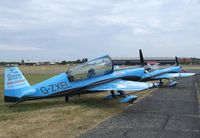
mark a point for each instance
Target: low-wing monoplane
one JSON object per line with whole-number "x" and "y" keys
{"x": 93, "y": 76}
{"x": 97, "y": 75}
{"x": 169, "y": 73}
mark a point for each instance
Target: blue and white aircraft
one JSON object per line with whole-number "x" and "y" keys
{"x": 93, "y": 76}
{"x": 169, "y": 73}
{"x": 97, "y": 75}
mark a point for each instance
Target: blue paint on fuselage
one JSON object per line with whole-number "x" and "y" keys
{"x": 149, "y": 75}
{"x": 61, "y": 83}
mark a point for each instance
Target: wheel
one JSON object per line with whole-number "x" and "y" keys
{"x": 131, "y": 101}
{"x": 66, "y": 99}
{"x": 112, "y": 93}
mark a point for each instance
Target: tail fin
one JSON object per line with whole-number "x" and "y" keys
{"x": 141, "y": 58}
{"x": 14, "y": 83}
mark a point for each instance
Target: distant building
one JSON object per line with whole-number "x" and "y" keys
{"x": 195, "y": 61}
{"x": 136, "y": 60}
{"x": 183, "y": 60}
{"x": 36, "y": 63}
{"x": 52, "y": 63}
{"x": 152, "y": 63}
{"x": 30, "y": 63}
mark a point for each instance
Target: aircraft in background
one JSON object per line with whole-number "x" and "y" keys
{"x": 169, "y": 73}
{"x": 93, "y": 76}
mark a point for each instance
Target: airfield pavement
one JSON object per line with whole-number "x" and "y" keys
{"x": 165, "y": 112}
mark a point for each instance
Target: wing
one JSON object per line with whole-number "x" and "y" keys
{"x": 174, "y": 75}
{"x": 122, "y": 85}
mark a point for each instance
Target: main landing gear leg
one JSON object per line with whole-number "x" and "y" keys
{"x": 66, "y": 99}
{"x": 111, "y": 96}
{"x": 119, "y": 92}
{"x": 112, "y": 93}
{"x": 122, "y": 93}
{"x": 161, "y": 81}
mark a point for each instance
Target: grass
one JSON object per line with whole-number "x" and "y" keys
{"x": 40, "y": 69}
{"x": 191, "y": 66}
{"x": 53, "y": 117}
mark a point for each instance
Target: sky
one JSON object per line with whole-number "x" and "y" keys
{"x": 56, "y": 30}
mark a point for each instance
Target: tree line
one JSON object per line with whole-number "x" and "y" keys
{"x": 64, "y": 62}
{"x": 78, "y": 61}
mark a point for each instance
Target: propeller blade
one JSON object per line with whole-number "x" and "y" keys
{"x": 141, "y": 58}
{"x": 176, "y": 59}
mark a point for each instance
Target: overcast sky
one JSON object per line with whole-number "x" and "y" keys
{"x": 71, "y": 29}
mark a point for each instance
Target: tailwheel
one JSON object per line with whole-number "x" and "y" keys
{"x": 66, "y": 99}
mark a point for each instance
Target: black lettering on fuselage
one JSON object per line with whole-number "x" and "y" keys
{"x": 58, "y": 87}
{"x": 64, "y": 85}
{"x": 52, "y": 88}
{"x": 44, "y": 90}
{"x": 55, "y": 87}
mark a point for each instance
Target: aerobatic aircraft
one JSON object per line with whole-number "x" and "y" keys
{"x": 97, "y": 75}
{"x": 93, "y": 76}
{"x": 169, "y": 73}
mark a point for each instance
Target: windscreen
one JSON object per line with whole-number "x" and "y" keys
{"x": 90, "y": 69}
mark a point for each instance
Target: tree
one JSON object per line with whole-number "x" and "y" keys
{"x": 78, "y": 61}
{"x": 63, "y": 62}
{"x": 22, "y": 62}
{"x": 84, "y": 60}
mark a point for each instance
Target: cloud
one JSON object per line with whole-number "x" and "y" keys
{"x": 60, "y": 29}
{"x": 19, "y": 48}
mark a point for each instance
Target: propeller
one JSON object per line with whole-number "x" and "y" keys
{"x": 177, "y": 64}
{"x": 176, "y": 60}
{"x": 141, "y": 58}
{"x": 142, "y": 61}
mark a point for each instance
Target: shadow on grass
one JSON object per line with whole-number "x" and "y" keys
{"x": 83, "y": 101}
{"x": 96, "y": 102}
{"x": 31, "y": 105}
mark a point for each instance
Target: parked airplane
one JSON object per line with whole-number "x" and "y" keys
{"x": 170, "y": 73}
{"x": 97, "y": 75}
{"x": 93, "y": 76}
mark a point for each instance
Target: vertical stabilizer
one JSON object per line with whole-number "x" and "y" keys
{"x": 14, "y": 83}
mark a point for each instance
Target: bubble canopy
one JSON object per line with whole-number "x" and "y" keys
{"x": 90, "y": 69}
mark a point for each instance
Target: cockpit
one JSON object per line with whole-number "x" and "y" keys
{"x": 90, "y": 69}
